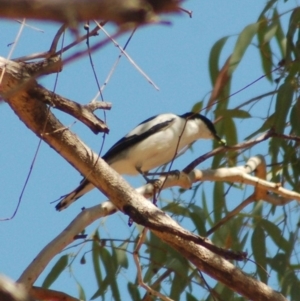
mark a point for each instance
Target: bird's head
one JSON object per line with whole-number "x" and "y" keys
{"x": 206, "y": 129}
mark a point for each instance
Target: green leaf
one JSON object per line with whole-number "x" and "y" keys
{"x": 176, "y": 208}
{"x": 218, "y": 200}
{"x": 295, "y": 120}
{"x": 214, "y": 58}
{"x": 206, "y": 213}
{"x": 230, "y": 133}
{"x": 258, "y": 243}
{"x": 293, "y": 26}
{"x": 102, "y": 289}
{"x": 295, "y": 288}
{"x": 60, "y": 265}
{"x": 290, "y": 162}
{"x": 121, "y": 256}
{"x": 81, "y": 293}
{"x": 158, "y": 256}
{"x": 270, "y": 32}
{"x": 268, "y": 6}
{"x": 283, "y": 104}
{"x": 280, "y": 37}
{"x": 279, "y": 263}
{"x": 265, "y": 49}
{"x": 244, "y": 240}
{"x": 111, "y": 270}
{"x": 233, "y": 113}
{"x": 176, "y": 264}
{"x": 242, "y": 44}
{"x": 95, "y": 257}
{"x": 274, "y": 147}
{"x": 276, "y": 235}
{"x": 133, "y": 291}
{"x": 265, "y": 127}
{"x": 190, "y": 297}
{"x": 197, "y": 107}
{"x": 179, "y": 283}
{"x": 198, "y": 217}
{"x": 100, "y": 253}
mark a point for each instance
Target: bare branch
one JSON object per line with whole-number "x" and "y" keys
{"x": 73, "y": 11}
{"x": 66, "y": 237}
{"x": 238, "y": 174}
{"x": 84, "y": 113}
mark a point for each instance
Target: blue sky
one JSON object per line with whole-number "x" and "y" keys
{"x": 176, "y": 59}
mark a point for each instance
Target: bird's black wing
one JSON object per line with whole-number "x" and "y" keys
{"x": 129, "y": 141}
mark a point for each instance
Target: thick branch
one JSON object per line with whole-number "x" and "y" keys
{"x": 72, "y": 11}
{"x": 233, "y": 277}
{"x": 238, "y": 174}
{"x": 84, "y": 113}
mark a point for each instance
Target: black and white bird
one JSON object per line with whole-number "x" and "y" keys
{"x": 153, "y": 143}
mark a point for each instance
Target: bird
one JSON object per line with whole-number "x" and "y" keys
{"x": 153, "y": 143}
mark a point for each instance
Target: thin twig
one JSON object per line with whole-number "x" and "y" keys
{"x": 223, "y": 149}
{"x": 112, "y": 70}
{"x": 112, "y": 38}
{"x": 231, "y": 214}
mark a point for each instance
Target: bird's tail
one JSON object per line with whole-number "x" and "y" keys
{"x": 66, "y": 200}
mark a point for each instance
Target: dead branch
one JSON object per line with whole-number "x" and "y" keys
{"x": 84, "y": 113}
{"x": 74, "y": 11}
{"x": 66, "y": 237}
{"x": 44, "y": 67}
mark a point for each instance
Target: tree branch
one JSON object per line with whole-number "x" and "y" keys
{"x": 73, "y": 11}
{"x": 84, "y": 113}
